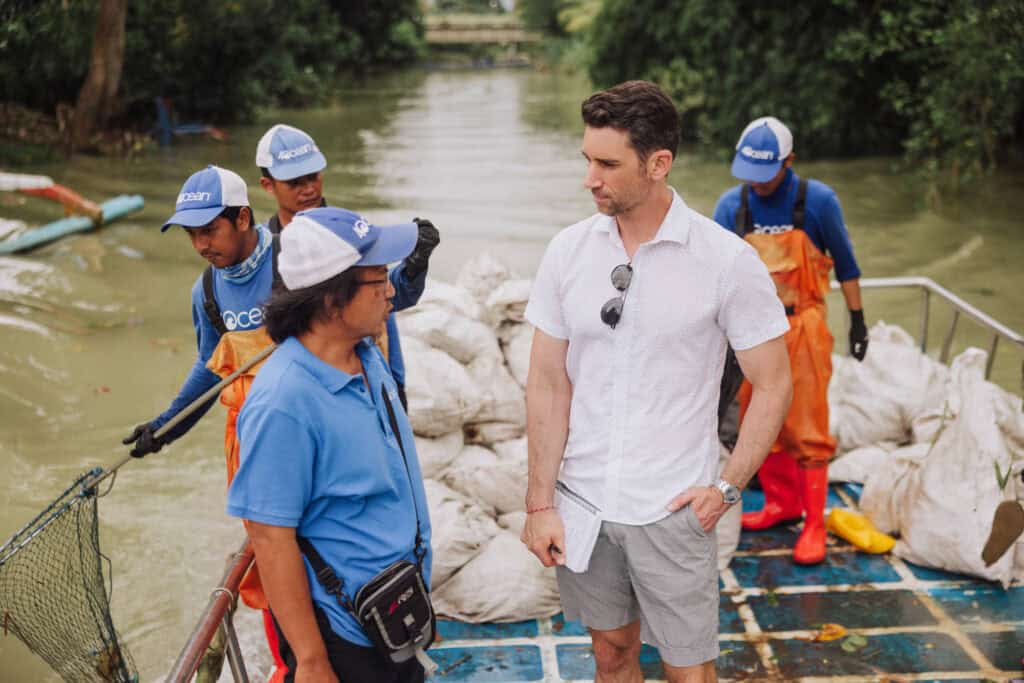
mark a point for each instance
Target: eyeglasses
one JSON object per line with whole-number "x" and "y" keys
{"x": 611, "y": 312}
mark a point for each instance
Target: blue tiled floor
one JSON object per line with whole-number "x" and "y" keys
{"x": 901, "y": 620}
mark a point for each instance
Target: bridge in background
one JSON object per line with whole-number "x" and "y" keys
{"x": 476, "y": 29}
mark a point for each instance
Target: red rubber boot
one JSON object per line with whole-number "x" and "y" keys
{"x": 780, "y": 483}
{"x": 810, "y": 547}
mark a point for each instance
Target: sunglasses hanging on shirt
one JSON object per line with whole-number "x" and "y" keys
{"x": 611, "y": 312}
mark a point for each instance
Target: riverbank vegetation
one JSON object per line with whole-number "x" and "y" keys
{"x": 940, "y": 82}
{"x": 215, "y": 61}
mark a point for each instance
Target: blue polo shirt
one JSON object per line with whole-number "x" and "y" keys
{"x": 823, "y": 223}
{"x": 318, "y": 455}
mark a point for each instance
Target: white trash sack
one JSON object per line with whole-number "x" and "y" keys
{"x": 876, "y": 400}
{"x": 498, "y": 486}
{"x": 501, "y": 397}
{"x": 942, "y": 503}
{"x": 438, "y": 294}
{"x": 516, "y": 346}
{"x": 436, "y": 454}
{"x": 504, "y": 582}
{"x": 507, "y": 303}
{"x": 459, "y": 530}
{"x": 442, "y": 397}
{"x": 464, "y": 339}
{"x": 482, "y": 275}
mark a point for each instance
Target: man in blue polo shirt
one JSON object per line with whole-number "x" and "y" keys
{"x": 797, "y": 227}
{"x": 291, "y": 169}
{"x": 320, "y": 460}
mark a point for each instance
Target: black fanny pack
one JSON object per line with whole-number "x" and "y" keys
{"x": 393, "y": 608}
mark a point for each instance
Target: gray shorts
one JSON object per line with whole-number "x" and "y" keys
{"x": 665, "y": 574}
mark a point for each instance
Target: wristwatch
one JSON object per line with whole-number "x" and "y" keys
{"x": 730, "y": 494}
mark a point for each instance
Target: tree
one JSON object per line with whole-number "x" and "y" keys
{"x": 98, "y": 96}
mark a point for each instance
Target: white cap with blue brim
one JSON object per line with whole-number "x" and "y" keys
{"x": 326, "y": 241}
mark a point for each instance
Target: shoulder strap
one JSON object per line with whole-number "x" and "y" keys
{"x": 420, "y": 551}
{"x": 210, "y": 303}
{"x": 332, "y": 583}
{"x": 800, "y": 205}
{"x": 744, "y": 220}
{"x": 274, "y": 224}
{"x": 275, "y": 252}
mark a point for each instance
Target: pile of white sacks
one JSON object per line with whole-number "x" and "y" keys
{"x": 937, "y": 449}
{"x": 926, "y": 441}
{"x": 467, "y": 352}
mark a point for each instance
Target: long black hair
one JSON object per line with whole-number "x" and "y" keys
{"x": 289, "y": 313}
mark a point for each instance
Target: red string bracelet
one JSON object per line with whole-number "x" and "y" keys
{"x": 530, "y": 511}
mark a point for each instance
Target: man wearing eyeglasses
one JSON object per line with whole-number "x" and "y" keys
{"x": 634, "y": 308}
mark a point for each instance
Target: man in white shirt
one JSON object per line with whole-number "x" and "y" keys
{"x": 622, "y": 394}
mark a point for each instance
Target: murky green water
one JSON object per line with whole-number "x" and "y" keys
{"x": 96, "y": 332}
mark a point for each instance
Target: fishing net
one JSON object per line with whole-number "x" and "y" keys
{"x": 53, "y": 593}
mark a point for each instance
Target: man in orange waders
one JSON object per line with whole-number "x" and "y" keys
{"x": 797, "y": 227}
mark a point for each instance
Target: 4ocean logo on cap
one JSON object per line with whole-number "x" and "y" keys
{"x": 361, "y": 228}
{"x": 194, "y": 197}
{"x": 759, "y": 154}
{"x": 286, "y": 154}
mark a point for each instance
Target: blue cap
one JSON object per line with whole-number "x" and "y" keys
{"x": 205, "y": 195}
{"x": 763, "y": 147}
{"x": 288, "y": 153}
{"x": 326, "y": 241}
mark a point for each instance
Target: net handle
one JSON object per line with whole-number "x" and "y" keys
{"x": 192, "y": 407}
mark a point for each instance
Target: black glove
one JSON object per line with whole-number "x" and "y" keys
{"x": 429, "y": 238}
{"x": 145, "y": 442}
{"x": 858, "y": 335}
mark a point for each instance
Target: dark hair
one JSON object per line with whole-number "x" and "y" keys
{"x": 292, "y": 312}
{"x": 640, "y": 108}
{"x": 232, "y": 213}
{"x": 265, "y": 173}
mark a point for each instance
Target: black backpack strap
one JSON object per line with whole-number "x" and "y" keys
{"x": 332, "y": 583}
{"x": 274, "y": 225}
{"x": 800, "y": 205}
{"x": 744, "y": 220}
{"x": 275, "y": 252}
{"x": 210, "y": 303}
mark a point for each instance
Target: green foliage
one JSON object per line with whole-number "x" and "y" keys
{"x": 940, "y": 80}
{"x": 217, "y": 61}
{"x": 558, "y": 18}
{"x": 542, "y": 15}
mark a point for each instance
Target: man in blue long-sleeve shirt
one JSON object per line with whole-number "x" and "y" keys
{"x": 291, "y": 166}
{"x": 797, "y": 227}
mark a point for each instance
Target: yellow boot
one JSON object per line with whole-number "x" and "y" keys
{"x": 858, "y": 530}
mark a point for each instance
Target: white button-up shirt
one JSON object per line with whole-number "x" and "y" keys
{"x": 643, "y": 423}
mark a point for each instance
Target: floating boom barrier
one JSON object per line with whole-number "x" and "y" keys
{"x": 81, "y": 213}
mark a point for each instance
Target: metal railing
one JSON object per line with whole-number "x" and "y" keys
{"x": 217, "y": 617}
{"x": 929, "y": 287}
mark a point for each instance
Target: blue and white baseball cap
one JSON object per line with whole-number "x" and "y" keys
{"x": 205, "y": 195}
{"x": 288, "y": 153}
{"x": 763, "y": 146}
{"x": 326, "y": 241}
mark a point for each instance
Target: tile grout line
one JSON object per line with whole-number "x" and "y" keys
{"x": 751, "y": 627}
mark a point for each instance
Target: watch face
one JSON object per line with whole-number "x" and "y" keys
{"x": 730, "y": 494}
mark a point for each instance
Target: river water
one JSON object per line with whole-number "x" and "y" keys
{"x": 96, "y": 332}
